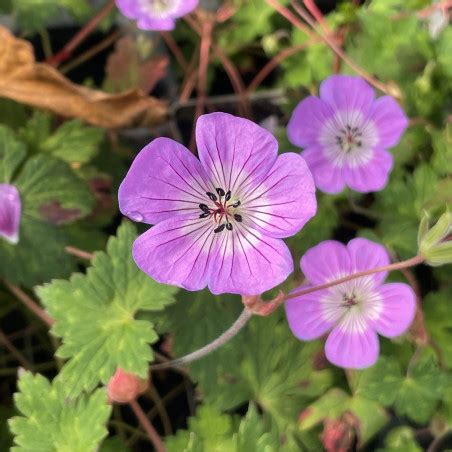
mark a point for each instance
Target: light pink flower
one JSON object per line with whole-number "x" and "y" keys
{"x": 352, "y": 312}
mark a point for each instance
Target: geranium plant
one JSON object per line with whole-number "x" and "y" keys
{"x": 225, "y": 225}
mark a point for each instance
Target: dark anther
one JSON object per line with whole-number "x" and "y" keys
{"x": 220, "y": 191}
{"x": 238, "y": 217}
{"x": 229, "y": 226}
{"x": 219, "y": 228}
{"x": 236, "y": 204}
{"x": 211, "y": 196}
{"x": 359, "y": 144}
{"x": 204, "y": 215}
{"x": 228, "y": 195}
{"x": 204, "y": 208}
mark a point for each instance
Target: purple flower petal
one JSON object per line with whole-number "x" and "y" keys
{"x": 372, "y": 176}
{"x": 366, "y": 255}
{"x": 235, "y": 152}
{"x": 10, "y": 213}
{"x": 325, "y": 262}
{"x": 398, "y": 303}
{"x": 345, "y": 134}
{"x": 307, "y": 121}
{"x": 328, "y": 178}
{"x": 155, "y": 14}
{"x": 390, "y": 121}
{"x": 165, "y": 179}
{"x": 149, "y": 23}
{"x": 177, "y": 251}
{"x": 249, "y": 263}
{"x": 274, "y": 205}
{"x": 307, "y": 315}
{"x": 347, "y": 93}
{"x": 352, "y": 345}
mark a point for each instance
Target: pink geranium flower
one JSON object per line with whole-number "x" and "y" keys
{"x": 10, "y": 213}
{"x": 346, "y": 134}
{"x": 156, "y": 14}
{"x": 218, "y": 220}
{"x": 352, "y": 312}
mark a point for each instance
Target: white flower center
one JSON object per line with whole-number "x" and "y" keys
{"x": 160, "y": 8}
{"x": 352, "y": 304}
{"x": 348, "y": 138}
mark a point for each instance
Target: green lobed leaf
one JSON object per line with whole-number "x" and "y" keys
{"x": 73, "y": 142}
{"x": 51, "y": 194}
{"x": 51, "y": 422}
{"x": 212, "y": 431}
{"x": 95, "y": 315}
{"x": 415, "y": 394}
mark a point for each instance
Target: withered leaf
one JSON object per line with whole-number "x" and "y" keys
{"x": 126, "y": 69}
{"x": 41, "y": 85}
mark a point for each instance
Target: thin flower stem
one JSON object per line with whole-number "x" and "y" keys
{"x": 275, "y": 61}
{"x": 175, "y": 49}
{"x": 317, "y": 14}
{"x": 209, "y": 348}
{"x": 90, "y": 53}
{"x": 14, "y": 351}
{"x": 78, "y": 252}
{"x": 385, "y": 268}
{"x": 336, "y": 49}
{"x": 66, "y": 52}
{"x": 29, "y": 303}
{"x": 163, "y": 414}
{"x": 147, "y": 426}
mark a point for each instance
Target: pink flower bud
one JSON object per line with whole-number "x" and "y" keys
{"x": 124, "y": 387}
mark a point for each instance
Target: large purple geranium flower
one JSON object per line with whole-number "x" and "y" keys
{"x": 355, "y": 311}
{"x": 10, "y": 212}
{"x": 346, "y": 134}
{"x": 218, "y": 220}
{"x": 156, "y": 14}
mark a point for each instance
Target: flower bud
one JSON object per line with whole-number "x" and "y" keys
{"x": 124, "y": 387}
{"x": 433, "y": 243}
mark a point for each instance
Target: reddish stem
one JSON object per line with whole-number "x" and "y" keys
{"x": 385, "y": 268}
{"x": 290, "y": 17}
{"x": 204, "y": 51}
{"x": 147, "y": 426}
{"x": 318, "y": 16}
{"x": 66, "y": 52}
{"x": 336, "y": 49}
{"x": 29, "y": 303}
{"x": 78, "y": 252}
{"x": 175, "y": 49}
{"x": 274, "y": 62}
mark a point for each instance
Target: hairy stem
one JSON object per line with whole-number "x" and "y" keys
{"x": 147, "y": 426}
{"x": 209, "y": 348}
{"x": 385, "y": 268}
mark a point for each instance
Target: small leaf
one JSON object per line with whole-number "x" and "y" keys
{"x": 95, "y": 315}
{"x": 12, "y": 153}
{"x": 51, "y": 422}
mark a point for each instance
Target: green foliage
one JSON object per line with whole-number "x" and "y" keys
{"x": 51, "y": 194}
{"x": 401, "y": 438}
{"x": 212, "y": 431}
{"x": 71, "y": 142}
{"x": 95, "y": 315}
{"x": 51, "y": 422}
{"x": 415, "y": 394}
{"x": 34, "y": 15}
{"x": 370, "y": 415}
{"x": 274, "y": 370}
{"x": 438, "y": 317}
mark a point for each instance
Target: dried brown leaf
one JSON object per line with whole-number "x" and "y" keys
{"x": 41, "y": 85}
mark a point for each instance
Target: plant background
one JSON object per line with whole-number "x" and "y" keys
{"x": 264, "y": 390}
